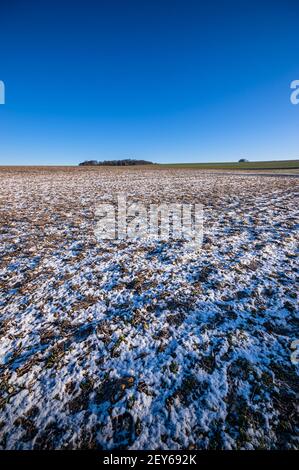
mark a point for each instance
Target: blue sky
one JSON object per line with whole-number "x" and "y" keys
{"x": 167, "y": 80}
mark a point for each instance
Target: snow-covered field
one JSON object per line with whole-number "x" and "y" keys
{"x": 144, "y": 345}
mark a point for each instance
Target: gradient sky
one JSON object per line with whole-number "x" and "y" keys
{"x": 164, "y": 80}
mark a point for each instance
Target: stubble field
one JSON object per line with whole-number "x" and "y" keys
{"x": 143, "y": 344}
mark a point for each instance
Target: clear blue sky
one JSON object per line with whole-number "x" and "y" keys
{"x": 164, "y": 80}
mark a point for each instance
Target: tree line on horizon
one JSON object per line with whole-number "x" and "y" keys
{"x": 124, "y": 162}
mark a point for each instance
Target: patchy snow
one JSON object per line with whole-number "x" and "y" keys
{"x": 144, "y": 345}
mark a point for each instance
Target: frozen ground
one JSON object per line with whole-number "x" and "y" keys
{"x": 144, "y": 345}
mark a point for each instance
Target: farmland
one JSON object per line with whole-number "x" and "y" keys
{"x": 285, "y": 165}
{"x": 143, "y": 344}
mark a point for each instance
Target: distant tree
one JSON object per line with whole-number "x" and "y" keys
{"x": 88, "y": 163}
{"x": 124, "y": 162}
{"x": 243, "y": 160}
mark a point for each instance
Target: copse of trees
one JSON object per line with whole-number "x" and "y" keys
{"x": 125, "y": 162}
{"x": 88, "y": 163}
